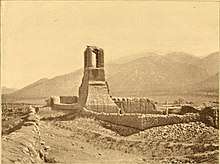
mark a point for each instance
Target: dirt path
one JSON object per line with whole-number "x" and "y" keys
{"x": 66, "y": 149}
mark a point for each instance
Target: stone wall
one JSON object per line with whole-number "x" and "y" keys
{"x": 143, "y": 121}
{"x": 135, "y": 105}
{"x": 23, "y": 145}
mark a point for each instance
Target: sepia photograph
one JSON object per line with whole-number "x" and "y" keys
{"x": 113, "y": 82}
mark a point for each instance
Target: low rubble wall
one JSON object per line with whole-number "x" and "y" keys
{"x": 65, "y": 107}
{"x": 23, "y": 145}
{"x": 143, "y": 121}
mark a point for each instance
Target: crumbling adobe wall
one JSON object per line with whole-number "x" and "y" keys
{"x": 65, "y": 107}
{"x": 143, "y": 121}
{"x": 55, "y": 99}
{"x": 68, "y": 99}
{"x": 210, "y": 116}
{"x": 64, "y": 99}
{"x": 135, "y": 105}
{"x": 23, "y": 145}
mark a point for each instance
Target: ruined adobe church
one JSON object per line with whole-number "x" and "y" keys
{"x": 94, "y": 91}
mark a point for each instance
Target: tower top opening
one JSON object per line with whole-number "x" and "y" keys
{"x": 91, "y": 61}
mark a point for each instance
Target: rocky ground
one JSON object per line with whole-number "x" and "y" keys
{"x": 73, "y": 138}
{"x": 86, "y": 140}
{"x": 62, "y": 146}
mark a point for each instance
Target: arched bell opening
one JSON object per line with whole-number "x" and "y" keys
{"x": 94, "y": 58}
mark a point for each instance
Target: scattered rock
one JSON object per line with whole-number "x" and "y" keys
{"x": 29, "y": 123}
{"x": 49, "y": 159}
{"x": 41, "y": 153}
{"x": 42, "y": 142}
{"x": 47, "y": 148}
{"x": 5, "y": 139}
{"x": 33, "y": 117}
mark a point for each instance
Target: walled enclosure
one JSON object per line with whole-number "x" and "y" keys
{"x": 94, "y": 91}
{"x": 143, "y": 121}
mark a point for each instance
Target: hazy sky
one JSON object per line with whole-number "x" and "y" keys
{"x": 46, "y": 39}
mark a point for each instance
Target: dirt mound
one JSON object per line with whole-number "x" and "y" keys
{"x": 23, "y": 145}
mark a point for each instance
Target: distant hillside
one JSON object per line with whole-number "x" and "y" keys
{"x": 211, "y": 62}
{"x": 211, "y": 84}
{"x": 6, "y": 90}
{"x": 140, "y": 76}
{"x": 182, "y": 57}
{"x": 60, "y": 85}
{"x": 154, "y": 73}
{"x": 127, "y": 59}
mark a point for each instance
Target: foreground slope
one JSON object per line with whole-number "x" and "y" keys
{"x": 87, "y": 140}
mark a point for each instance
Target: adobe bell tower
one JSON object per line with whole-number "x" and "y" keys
{"x": 94, "y": 91}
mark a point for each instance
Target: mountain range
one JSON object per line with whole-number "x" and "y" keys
{"x": 6, "y": 90}
{"x": 141, "y": 75}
